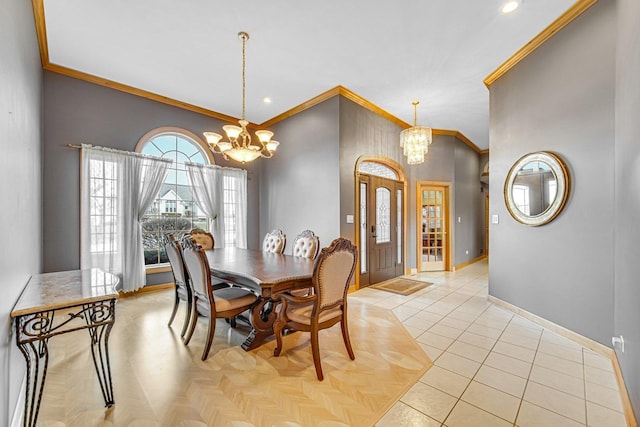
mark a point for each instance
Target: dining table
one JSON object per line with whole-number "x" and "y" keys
{"x": 268, "y": 275}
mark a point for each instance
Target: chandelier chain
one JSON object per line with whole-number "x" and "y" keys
{"x": 244, "y": 79}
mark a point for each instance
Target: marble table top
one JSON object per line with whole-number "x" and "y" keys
{"x": 50, "y": 291}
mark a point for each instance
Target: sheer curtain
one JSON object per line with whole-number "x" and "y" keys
{"x": 222, "y": 195}
{"x": 117, "y": 189}
{"x": 235, "y": 200}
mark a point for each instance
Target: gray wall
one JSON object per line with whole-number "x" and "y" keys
{"x": 20, "y": 180}
{"x": 561, "y": 99}
{"x": 627, "y": 195}
{"x": 300, "y": 185}
{"x": 364, "y": 133}
{"x": 469, "y": 202}
{"x": 80, "y": 112}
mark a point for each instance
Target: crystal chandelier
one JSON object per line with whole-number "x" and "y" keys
{"x": 415, "y": 141}
{"x": 239, "y": 146}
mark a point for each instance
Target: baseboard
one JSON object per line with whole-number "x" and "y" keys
{"x": 624, "y": 396}
{"x": 465, "y": 264}
{"x": 584, "y": 342}
{"x": 146, "y": 289}
{"x": 567, "y": 333}
{"x": 18, "y": 411}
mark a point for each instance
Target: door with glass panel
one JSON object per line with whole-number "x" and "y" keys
{"x": 433, "y": 227}
{"x": 381, "y": 229}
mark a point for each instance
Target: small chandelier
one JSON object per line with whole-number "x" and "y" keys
{"x": 415, "y": 141}
{"x": 239, "y": 146}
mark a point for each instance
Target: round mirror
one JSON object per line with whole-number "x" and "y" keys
{"x": 536, "y": 188}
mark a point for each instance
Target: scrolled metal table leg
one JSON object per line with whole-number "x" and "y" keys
{"x": 102, "y": 314}
{"x": 36, "y": 354}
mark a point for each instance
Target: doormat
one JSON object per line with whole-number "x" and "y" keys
{"x": 401, "y": 286}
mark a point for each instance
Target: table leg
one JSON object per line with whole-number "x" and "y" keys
{"x": 36, "y": 354}
{"x": 97, "y": 314}
{"x": 263, "y": 315}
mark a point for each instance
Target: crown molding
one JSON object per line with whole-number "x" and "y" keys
{"x": 41, "y": 29}
{"x": 352, "y": 96}
{"x": 137, "y": 92}
{"x": 564, "y": 20}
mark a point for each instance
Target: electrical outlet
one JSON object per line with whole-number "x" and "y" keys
{"x": 495, "y": 219}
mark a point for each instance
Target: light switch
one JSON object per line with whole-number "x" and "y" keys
{"x": 459, "y": 219}
{"x": 494, "y": 219}
{"x": 349, "y": 219}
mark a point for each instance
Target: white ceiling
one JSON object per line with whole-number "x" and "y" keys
{"x": 388, "y": 52}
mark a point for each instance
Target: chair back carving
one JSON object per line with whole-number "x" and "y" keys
{"x": 274, "y": 242}
{"x": 306, "y": 244}
{"x": 332, "y": 273}
{"x": 197, "y": 266}
{"x": 203, "y": 238}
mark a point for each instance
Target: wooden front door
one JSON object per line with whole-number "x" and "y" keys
{"x": 433, "y": 228}
{"x": 381, "y": 229}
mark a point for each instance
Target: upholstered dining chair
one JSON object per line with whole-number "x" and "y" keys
{"x": 327, "y": 305}
{"x": 227, "y": 302}
{"x": 274, "y": 241}
{"x": 182, "y": 289}
{"x": 206, "y": 240}
{"x": 305, "y": 245}
{"x": 203, "y": 238}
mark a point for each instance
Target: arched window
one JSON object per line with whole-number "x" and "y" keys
{"x": 174, "y": 210}
{"x": 377, "y": 169}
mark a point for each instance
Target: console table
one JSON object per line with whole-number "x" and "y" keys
{"x": 83, "y": 299}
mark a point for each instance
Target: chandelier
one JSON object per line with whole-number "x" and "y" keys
{"x": 239, "y": 146}
{"x": 415, "y": 141}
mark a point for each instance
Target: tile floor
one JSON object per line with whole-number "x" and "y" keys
{"x": 491, "y": 366}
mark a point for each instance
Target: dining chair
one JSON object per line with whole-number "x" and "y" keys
{"x": 305, "y": 245}
{"x": 182, "y": 289}
{"x": 203, "y": 238}
{"x": 274, "y": 241}
{"x": 226, "y": 302}
{"x": 206, "y": 240}
{"x": 327, "y": 305}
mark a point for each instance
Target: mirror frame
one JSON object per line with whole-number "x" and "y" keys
{"x": 559, "y": 169}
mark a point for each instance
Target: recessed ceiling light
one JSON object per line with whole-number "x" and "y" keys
{"x": 266, "y": 100}
{"x": 510, "y": 6}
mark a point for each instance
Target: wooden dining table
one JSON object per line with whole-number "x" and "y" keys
{"x": 268, "y": 274}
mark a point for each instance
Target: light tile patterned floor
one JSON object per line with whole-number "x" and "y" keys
{"x": 492, "y": 367}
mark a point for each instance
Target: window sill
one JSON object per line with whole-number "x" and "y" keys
{"x": 161, "y": 268}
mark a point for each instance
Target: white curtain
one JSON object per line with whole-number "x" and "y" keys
{"x": 235, "y": 184}
{"x": 117, "y": 189}
{"x": 221, "y": 193}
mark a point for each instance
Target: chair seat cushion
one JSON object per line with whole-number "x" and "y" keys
{"x": 233, "y": 297}
{"x": 302, "y": 314}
